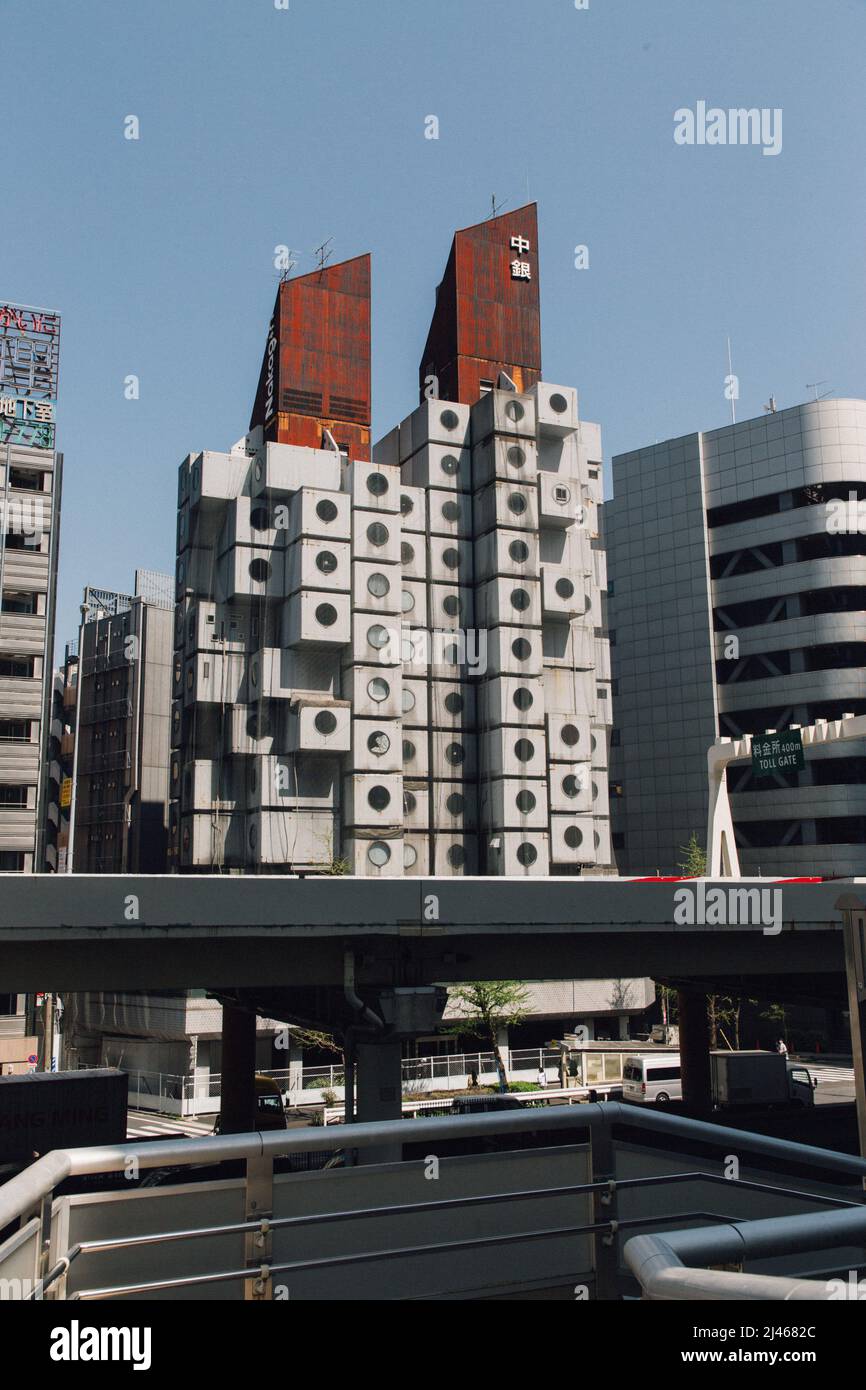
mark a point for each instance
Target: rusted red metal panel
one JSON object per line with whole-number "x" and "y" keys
{"x": 488, "y": 315}
{"x": 316, "y": 369}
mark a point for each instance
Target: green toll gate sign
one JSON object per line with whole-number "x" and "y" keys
{"x": 777, "y": 753}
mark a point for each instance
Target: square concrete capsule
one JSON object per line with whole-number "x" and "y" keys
{"x": 563, "y": 596}
{"x": 376, "y": 641}
{"x": 319, "y": 728}
{"x": 247, "y": 521}
{"x": 373, "y": 486}
{"x": 214, "y": 678}
{"x": 373, "y": 800}
{"x": 598, "y": 737}
{"x": 570, "y": 788}
{"x": 215, "y": 478}
{"x": 387, "y": 449}
{"x": 451, "y": 605}
{"x": 318, "y": 619}
{"x": 569, "y": 645}
{"x": 516, "y": 700}
{"x": 568, "y": 737}
{"x": 375, "y": 588}
{"x": 452, "y": 704}
{"x": 449, "y": 515}
{"x": 560, "y": 502}
{"x": 506, "y": 460}
{"x": 506, "y": 552}
{"x": 600, "y": 794}
{"x": 569, "y": 549}
{"x": 316, "y": 514}
{"x": 571, "y": 840}
{"x": 556, "y": 408}
{"x": 413, "y": 602}
{"x": 514, "y": 803}
{"x": 601, "y": 842}
{"x": 504, "y": 412}
{"x": 374, "y": 857}
{"x": 214, "y": 627}
{"x": 413, "y": 508}
{"x": 296, "y": 839}
{"x": 376, "y": 746}
{"x": 517, "y": 853}
{"x": 440, "y": 465}
{"x": 195, "y": 572}
{"x": 454, "y": 805}
{"x": 246, "y": 571}
{"x": 376, "y": 537}
{"x": 416, "y": 762}
{"x": 413, "y": 556}
{"x": 206, "y": 840}
{"x": 253, "y": 729}
{"x": 184, "y": 476}
{"x": 514, "y": 651}
{"x": 281, "y": 469}
{"x": 375, "y": 694}
{"x": 511, "y": 505}
{"x": 509, "y": 752}
{"x": 513, "y": 601}
{"x": 454, "y": 754}
{"x": 316, "y": 564}
{"x": 435, "y": 422}
{"x": 416, "y": 805}
{"x": 450, "y": 560}
{"x": 416, "y": 856}
{"x": 560, "y": 456}
{"x": 414, "y": 704}
{"x": 453, "y": 855}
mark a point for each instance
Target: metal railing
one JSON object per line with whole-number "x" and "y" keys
{"x": 663, "y": 1264}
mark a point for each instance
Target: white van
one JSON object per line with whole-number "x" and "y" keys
{"x": 652, "y": 1080}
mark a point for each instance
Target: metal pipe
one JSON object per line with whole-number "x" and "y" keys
{"x": 662, "y": 1276}
{"x": 352, "y": 998}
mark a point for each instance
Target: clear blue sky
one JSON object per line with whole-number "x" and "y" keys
{"x": 262, "y": 126}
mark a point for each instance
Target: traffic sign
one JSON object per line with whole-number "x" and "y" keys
{"x": 777, "y": 753}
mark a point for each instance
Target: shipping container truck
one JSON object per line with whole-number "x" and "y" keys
{"x": 45, "y": 1110}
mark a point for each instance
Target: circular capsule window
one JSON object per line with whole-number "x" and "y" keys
{"x": 377, "y": 484}
{"x": 378, "y": 689}
{"x": 525, "y": 802}
{"x": 455, "y": 753}
{"x": 520, "y": 600}
{"x": 519, "y": 551}
{"x": 407, "y": 553}
{"x": 326, "y": 510}
{"x": 455, "y": 804}
{"x": 524, "y": 750}
{"x": 521, "y": 649}
{"x": 410, "y": 856}
{"x": 259, "y": 519}
{"x": 379, "y": 798}
{"x": 406, "y": 505}
{"x": 449, "y": 464}
{"x": 325, "y": 722}
{"x": 516, "y": 456}
{"x": 514, "y": 412}
{"x": 326, "y": 614}
{"x": 523, "y": 698}
{"x": 326, "y": 561}
{"x": 572, "y": 836}
{"x": 407, "y": 601}
{"x": 378, "y": 585}
{"x": 379, "y": 854}
{"x": 517, "y": 503}
{"x": 564, "y": 588}
{"x": 410, "y": 801}
{"x": 378, "y": 743}
{"x": 454, "y": 702}
{"x": 526, "y": 854}
{"x": 449, "y": 420}
{"x": 571, "y": 785}
{"x": 451, "y": 558}
{"x": 408, "y": 750}
{"x": 408, "y": 701}
{"x": 456, "y": 856}
{"x": 570, "y": 735}
{"x": 377, "y": 636}
{"x": 260, "y": 571}
{"x": 558, "y": 403}
{"x": 377, "y": 534}
{"x": 451, "y": 605}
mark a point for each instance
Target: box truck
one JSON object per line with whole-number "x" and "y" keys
{"x": 45, "y": 1110}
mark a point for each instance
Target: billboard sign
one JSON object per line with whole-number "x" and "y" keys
{"x": 29, "y": 372}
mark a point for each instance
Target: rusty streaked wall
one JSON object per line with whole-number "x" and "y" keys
{"x": 486, "y": 320}
{"x": 316, "y": 367}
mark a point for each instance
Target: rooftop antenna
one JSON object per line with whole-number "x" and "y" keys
{"x": 494, "y": 206}
{"x": 289, "y": 266}
{"x": 730, "y": 385}
{"x": 323, "y": 254}
{"x": 770, "y": 407}
{"x": 816, "y": 387}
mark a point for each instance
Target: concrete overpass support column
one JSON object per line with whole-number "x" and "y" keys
{"x": 379, "y": 1082}
{"x": 238, "y": 1095}
{"x": 695, "y": 1051}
